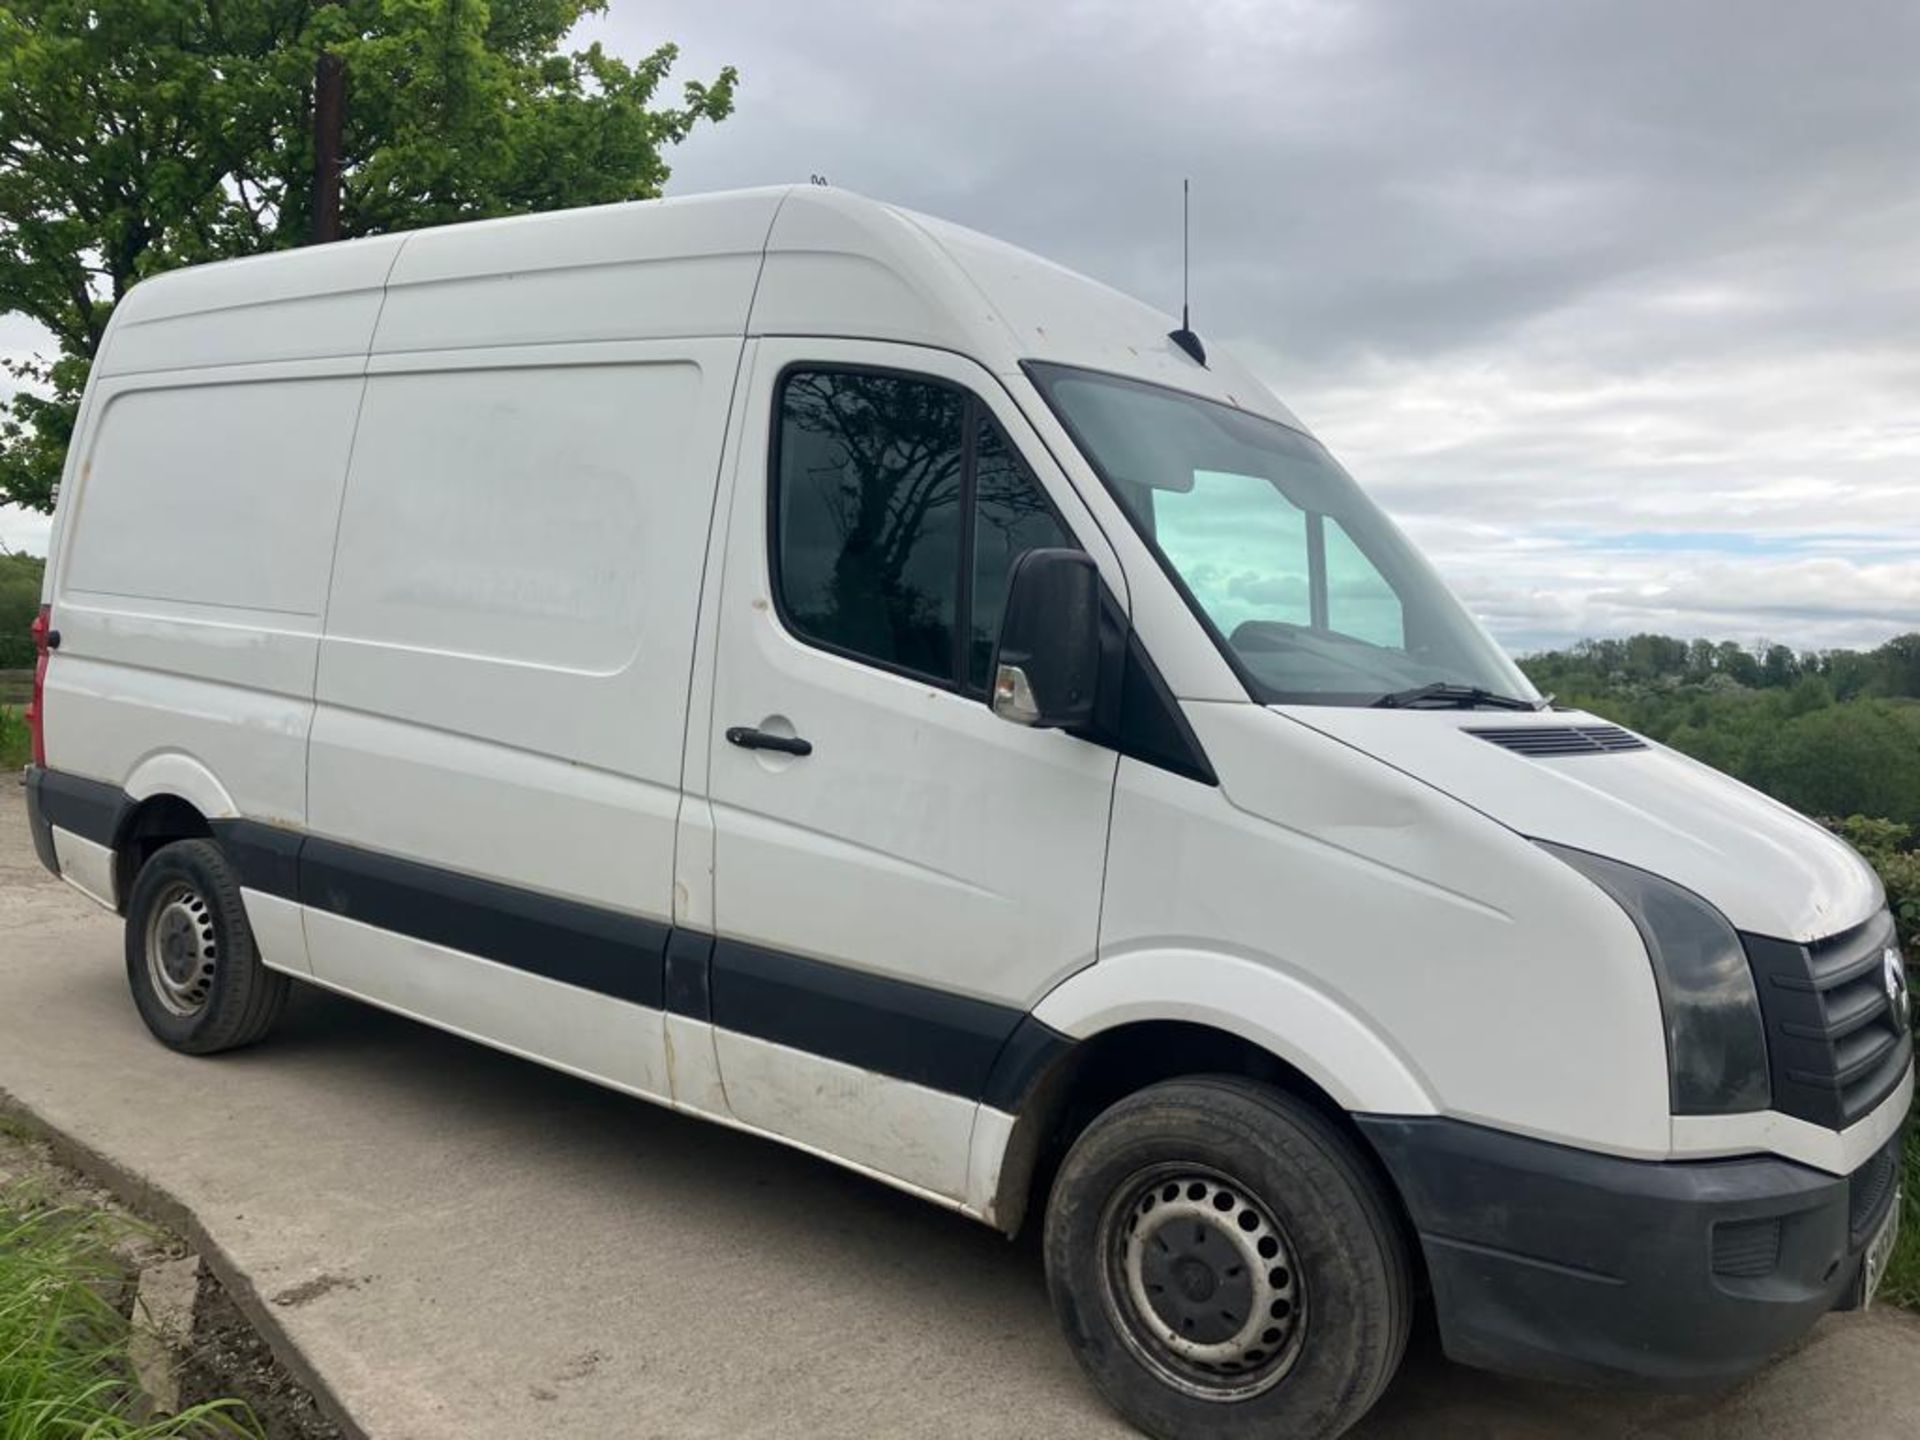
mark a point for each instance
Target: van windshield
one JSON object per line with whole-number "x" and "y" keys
{"x": 1309, "y": 589}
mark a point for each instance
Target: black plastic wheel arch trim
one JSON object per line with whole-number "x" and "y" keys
{"x": 1029, "y": 1053}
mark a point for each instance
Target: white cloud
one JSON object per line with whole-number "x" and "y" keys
{"x": 24, "y": 530}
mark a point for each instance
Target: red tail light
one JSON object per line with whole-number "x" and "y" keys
{"x": 37, "y": 706}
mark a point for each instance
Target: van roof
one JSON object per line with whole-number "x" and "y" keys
{"x": 792, "y": 260}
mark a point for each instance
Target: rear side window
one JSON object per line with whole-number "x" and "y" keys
{"x": 899, "y": 508}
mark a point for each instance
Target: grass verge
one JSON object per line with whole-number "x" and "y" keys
{"x": 14, "y": 748}
{"x": 64, "y": 1372}
{"x": 1902, "y": 1285}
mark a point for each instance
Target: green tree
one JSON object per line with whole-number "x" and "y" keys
{"x": 1860, "y": 758}
{"x": 19, "y": 603}
{"x": 145, "y": 134}
{"x": 1779, "y": 667}
{"x": 1898, "y": 662}
{"x": 1811, "y": 693}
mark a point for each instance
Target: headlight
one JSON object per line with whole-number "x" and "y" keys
{"x": 1716, "y": 1040}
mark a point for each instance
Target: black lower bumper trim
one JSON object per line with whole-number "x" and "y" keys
{"x": 1563, "y": 1264}
{"x": 37, "y": 821}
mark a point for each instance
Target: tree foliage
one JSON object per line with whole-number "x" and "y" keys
{"x": 145, "y": 134}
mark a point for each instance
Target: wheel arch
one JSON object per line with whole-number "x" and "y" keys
{"x": 173, "y": 797}
{"x": 173, "y": 774}
{"x": 1127, "y": 1028}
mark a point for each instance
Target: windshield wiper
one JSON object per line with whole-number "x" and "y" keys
{"x": 1445, "y": 695}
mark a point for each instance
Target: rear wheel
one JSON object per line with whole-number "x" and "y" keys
{"x": 1224, "y": 1264}
{"x": 192, "y": 963}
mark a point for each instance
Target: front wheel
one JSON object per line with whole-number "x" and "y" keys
{"x": 1225, "y": 1265}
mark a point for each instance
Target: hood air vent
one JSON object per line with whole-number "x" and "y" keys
{"x": 1555, "y": 740}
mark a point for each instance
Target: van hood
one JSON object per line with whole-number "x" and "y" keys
{"x": 1768, "y": 869}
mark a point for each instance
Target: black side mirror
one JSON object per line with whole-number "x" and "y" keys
{"x": 1046, "y": 667}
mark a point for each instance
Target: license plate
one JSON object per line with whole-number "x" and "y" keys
{"x": 1880, "y": 1252}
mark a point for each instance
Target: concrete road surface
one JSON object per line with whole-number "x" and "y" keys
{"x": 458, "y": 1245}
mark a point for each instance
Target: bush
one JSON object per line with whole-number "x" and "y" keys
{"x": 15, "y": 745}
{"x": 19, "y": 603}
{"x": 1890, "y": 849}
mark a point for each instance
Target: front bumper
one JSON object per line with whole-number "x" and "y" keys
{"x": 1563, "y": 1264}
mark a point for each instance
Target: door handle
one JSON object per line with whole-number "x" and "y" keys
{"x": 748, "y": 738}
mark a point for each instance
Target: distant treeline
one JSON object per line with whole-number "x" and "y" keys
{"x": 1609, "y": 666}
{"x": 1831, "y": 732}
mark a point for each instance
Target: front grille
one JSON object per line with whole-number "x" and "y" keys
{"x": 1869, "y": 1190}
{"x": 1545, "y": 741}
{"x": 1746, "y": 1248}
{"x": 1835, "y": 1044}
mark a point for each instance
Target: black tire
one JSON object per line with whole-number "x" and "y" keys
{"x": 211, "y": 992}
{"x": 1228, "y": 1164}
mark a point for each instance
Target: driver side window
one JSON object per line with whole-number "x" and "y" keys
{"x": 899, "y": 509}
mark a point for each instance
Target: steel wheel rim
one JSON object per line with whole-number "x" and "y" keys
{"x": 181, "y": 950}
{"x": 1201, "y": 1282}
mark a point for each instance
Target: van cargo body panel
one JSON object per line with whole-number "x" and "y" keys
{"x": 614, "y": 272}
{"x": 314, "y": 303}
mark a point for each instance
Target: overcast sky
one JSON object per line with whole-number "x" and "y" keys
{"x": 1615, "y": 306}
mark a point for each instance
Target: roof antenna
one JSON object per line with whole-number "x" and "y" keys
{"x": 1184, "y": 336}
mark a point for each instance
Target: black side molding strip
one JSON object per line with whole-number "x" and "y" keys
{"x": 911, "y": 1032}
{"x": 267, "y": 856}
{"x": 597, "y": 949}
{"x": 689, "y": 988}
{"x": 967, "y": 1047}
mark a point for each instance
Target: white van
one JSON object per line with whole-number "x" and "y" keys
{"x": 823, "y": 670}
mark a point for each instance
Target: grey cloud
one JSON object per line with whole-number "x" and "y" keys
{"x": 1369, "y": 176}
{"x": 1533, "y": 270}
{"x": 1539, "y": 272}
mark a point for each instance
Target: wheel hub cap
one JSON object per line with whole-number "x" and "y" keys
{"x": 1204, "y": 1283}
{"x": 1196, "y": 1280}
{"x": 181, "y": 951}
